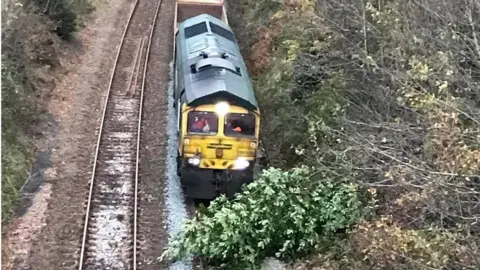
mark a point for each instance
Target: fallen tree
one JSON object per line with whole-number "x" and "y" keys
{"x": 283, "y": 214}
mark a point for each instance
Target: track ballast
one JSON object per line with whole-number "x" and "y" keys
{"x": 110, "y": 230}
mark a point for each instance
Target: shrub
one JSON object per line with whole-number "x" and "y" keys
{"x": 64, "y": 14}
{"x": 282, "y": 214}
{"x": 67, "y": 22}
{"x": 385, "y": 94}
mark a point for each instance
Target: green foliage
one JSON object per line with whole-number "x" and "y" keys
{"x": 384, "y": 93}
{"x": 16, "y": 158}
{"x": 290, "y": 89}
{"x": 30, "y": 63}
{"x": 67, "y": 22}
{"x": 282, "y": 214}
{"x": 64, "y": 13}
{"x": 261, "y": 10}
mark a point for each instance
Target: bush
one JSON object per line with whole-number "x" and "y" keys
{"x": 67, "y": 22}
{"x": 385, "y": 94}
{"x": 64, "y": 14}
{"x": 282, "y": 214}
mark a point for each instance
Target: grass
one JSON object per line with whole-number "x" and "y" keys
{"x": 16, "y": 159}
{"x": 18, "y": 110}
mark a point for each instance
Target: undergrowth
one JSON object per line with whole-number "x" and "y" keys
{"x": 32, "y": 32}
{"x": 380, "y": 93}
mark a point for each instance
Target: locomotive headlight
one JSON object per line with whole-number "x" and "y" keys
{"x": 186, "y": 141}
{"x": 221, "y": 108}
{"x": 241, "y": 163}
{"x": 253, "y": 144}
{"x": 195, "y": 161}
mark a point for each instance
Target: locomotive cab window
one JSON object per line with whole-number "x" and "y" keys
{"x": 216, "y": 29}
{"x": 195, "y": 30}
{"x": 202, "y": 123}
{"x": 239, "y": 124}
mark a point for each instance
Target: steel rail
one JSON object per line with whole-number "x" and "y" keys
{"x": 136, "y": 66}
{"x": 102, "y": 122}
{"x": 145, "y": 68}
{"x": 90, "y": 192}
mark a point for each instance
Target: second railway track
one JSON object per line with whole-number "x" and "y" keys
{"x": 110, "y": 231}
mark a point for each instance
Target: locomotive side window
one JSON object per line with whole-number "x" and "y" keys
{"x": 222, "y": 32}
{"x": 202, "y": 123}
{"x": 195, "y": 30}
{"x": 239, "y": 124}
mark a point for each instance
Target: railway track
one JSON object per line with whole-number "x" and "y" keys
{"x": 110, "y": 229}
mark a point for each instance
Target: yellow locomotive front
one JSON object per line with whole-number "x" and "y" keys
{"x": 218, "y": 147}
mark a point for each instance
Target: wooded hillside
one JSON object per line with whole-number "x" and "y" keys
{"x": 383, "y": 95}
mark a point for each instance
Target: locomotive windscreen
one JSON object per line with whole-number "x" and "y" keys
{"x": 239, "y": 124}
{"x": 202, "y": 122}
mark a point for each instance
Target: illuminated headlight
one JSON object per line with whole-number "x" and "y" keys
{"x": 186, "y": 141}
{"x": 253, "y": 145}
{"x": 241, "y": 163}
{"x": 195, "y": 161}
{"x": 221, "y": 108}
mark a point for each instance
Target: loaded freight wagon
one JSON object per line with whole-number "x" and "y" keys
{"x": 218, "y": 118}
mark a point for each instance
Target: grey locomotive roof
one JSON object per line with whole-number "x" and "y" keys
{"x": 208, "y": 74}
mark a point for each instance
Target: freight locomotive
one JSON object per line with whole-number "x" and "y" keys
{"x": 218, "y": 118}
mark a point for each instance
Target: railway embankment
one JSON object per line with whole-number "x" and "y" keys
{"x": 35, "y": 38}
{"x": 55, "y": 63}
{"x": 379, "y": 101}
